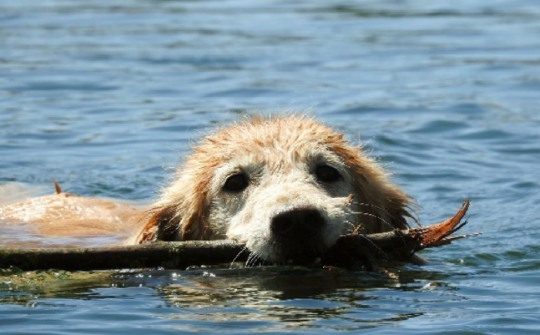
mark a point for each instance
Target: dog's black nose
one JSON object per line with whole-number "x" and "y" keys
{"x": 298, "y": 223}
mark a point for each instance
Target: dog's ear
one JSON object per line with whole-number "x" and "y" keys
{"x": 160, "y": 226}
{"x": 194, "y": 222}
{"x": 397, "y": 206}
{"x": 382, "y": 204}
{"x": 165, "y": 224}
{"x": 182, "y": 214}
{"x": 387, "y": 203}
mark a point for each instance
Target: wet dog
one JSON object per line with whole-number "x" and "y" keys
{"x": 286, "y": 186}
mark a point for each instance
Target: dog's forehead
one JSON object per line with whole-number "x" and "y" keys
{"x": 276, "y": 139}
{"x": 281, "y": 132}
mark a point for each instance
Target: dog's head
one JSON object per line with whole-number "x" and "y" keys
{"x": 288, "y": 187}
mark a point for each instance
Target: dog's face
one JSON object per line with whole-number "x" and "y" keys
{"x": 287, "y": 187}
{"x": 285, "y": 200}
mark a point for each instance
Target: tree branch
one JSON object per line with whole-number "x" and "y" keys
{"x": 353, "y": 249}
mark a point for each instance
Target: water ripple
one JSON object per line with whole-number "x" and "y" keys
{"x": 107, "y": 97}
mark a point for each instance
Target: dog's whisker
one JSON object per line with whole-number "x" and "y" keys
{"x": 351, "y": 226}
{"x": 249, "y": 260}
{"x": 253, "y": 260}
{"x": 384, "y": 210}
{"x": 370, "y": 205}
{"x": 381, "y": 209}
{"x": 244, "y": 249}
{"x": 384, "y": 221}
{"x": 365, "y": 204}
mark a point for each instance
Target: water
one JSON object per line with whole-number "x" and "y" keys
{"x": 107, "y": 97}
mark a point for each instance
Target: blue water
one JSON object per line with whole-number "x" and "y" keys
{"x": 106, "y": 98}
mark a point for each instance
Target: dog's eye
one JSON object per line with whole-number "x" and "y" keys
{"x": 236, "y": 182}
{"x": 327, "y": 174}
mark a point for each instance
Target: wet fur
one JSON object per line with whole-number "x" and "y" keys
{"x": 286, "y": 213}
{"x": 279, "y": 152}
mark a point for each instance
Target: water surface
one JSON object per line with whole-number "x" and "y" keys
{"x": 106, "y": 98}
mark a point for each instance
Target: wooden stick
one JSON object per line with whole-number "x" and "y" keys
{"x": 177, "y": 255}
{"x": 349, "y": 250}
{"x": 396, "y": 245}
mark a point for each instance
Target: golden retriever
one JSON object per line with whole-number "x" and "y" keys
{"x": 286, "y": 186}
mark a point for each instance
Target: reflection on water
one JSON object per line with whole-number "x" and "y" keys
{"x": 259, "y": 298}
{"x": 286, "y": 298}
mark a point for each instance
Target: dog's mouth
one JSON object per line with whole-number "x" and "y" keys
{"x": 296, "y": 237}
{"x": 298, "y": 252}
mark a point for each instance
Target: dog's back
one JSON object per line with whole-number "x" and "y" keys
{"x": 65, "y": 219}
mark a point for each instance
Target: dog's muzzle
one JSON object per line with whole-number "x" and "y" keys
{"x": 297, "y": 235}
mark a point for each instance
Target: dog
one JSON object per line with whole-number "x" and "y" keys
{"x": 286, "y": 186}
{"x": 64, "y": 219}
